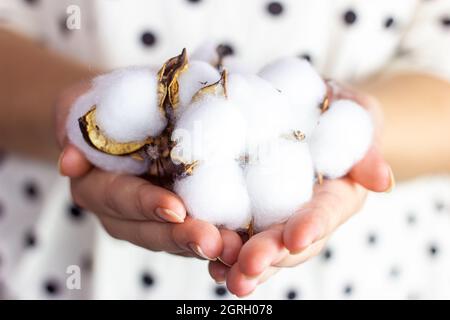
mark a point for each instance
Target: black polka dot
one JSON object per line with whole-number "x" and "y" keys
{"x": 327, "y": 254}
{"x": 63, "y": 29}
{"x": 433, "y": 250}
{"x": 439, "y": 206}
{"x": 225, "y": 49}
{"x": 31, "y": 190}
{"x": 411, "y": 218}
{"x": 350, "y": 17}
{"x": 372, "y": 239}
{"x": 445, "y": 21}
{"x": 292, "y": 294}
{"x": 51, "y": 287}
{"x": 275, "y": 8}
{"x": 75, "y": 212}
{"x": 31, "y": 2}
{"x": 307, "y": 57}
{"x": 194, "y": 1}
{"x": 30, "y": 239}
{"x": 147, "y": 280}
{"x": 148, "y": 39}
{"x": 87, "y": 262}
{"x": 220, "y": 291}
{"x": 348, "y": 290}
{"x": 389, "y": 23}
{"x": 394, "y": 272}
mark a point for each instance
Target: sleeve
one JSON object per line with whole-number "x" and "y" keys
{"x": 425, "y": 47}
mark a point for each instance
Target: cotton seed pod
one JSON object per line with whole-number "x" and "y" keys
{"x": 303, "y": 87}
{"x": 342, "y": 138}
{"x": 123, "y": 164}
{"x": 216, "y": 193}
{"x": 280, "y": 182}
{"x": 265, "y": 110}
{"x": 128, "y": 97}
{"x": 200, "y": 135}
{"x": 197, "y": 75}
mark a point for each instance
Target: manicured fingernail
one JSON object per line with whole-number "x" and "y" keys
{"x": 391, "y": 181}
{"x": 168, "y": 215}
{"x": 60, "y": 159}
{"x": 223, "y": 262}
{"x": 199, "y": 252}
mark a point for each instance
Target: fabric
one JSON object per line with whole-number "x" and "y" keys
{"x": 397, "y": 247}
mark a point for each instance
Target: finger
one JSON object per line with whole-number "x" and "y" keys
{"x": 241, "y": 286}
{"x": 261, "y": 251}
{"x": 232, "y": 244}
{"x": 126, "y": 197}
{"x": 333, "y": 203}
{"x": 373, "y": 172}
{"x": 293, "y": 260}
{"x": 238, "y": 284}
{"x": 72, "y": 163}
{"x": 193, "y": 236}
{"x": 218, "y": 271}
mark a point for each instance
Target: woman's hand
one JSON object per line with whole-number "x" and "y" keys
{"x": 130, "y": 208}
{"x": 305, "y": 234}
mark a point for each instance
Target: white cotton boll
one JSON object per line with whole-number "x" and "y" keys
{"x": 302, "y": 85}
{"x": 199, "y": 74}
{"x": 265, "y": 110}
{"x": 99, "y": 159}
{"x": 236, "y": 65}
{"x": 342, "y": 138}
{"x": 207, "y": 52}
{"x": 127, "y": 108}
{"x": 216, "y": 193}
{"x": 212, "y": 129}
{"x": 280, "y": 182}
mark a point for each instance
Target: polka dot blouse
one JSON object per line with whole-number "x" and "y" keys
{"x": 397, "y": 247}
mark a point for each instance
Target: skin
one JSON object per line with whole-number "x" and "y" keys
{"x": 134, "y": 210}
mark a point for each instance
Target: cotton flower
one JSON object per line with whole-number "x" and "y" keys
{"x": 241, "y": 150}
{"x": 303, "y": 87}
{"x": 341, "y": 139}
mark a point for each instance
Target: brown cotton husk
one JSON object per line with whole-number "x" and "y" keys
{"x": 154, "y": 149}
{"x": 94, "y": 136}
{"x": 217, "y": 89}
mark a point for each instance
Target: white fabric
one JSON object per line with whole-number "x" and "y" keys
{"x": 397, "y": 247}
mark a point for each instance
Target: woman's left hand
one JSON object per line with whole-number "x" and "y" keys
{"x": 304, "y": 235}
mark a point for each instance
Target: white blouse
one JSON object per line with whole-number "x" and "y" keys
{"x": 397, "y": 247}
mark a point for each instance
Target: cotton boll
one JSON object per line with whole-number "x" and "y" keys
{"x": 199, "y": 74}
{"x": 236, "y": 65}
{"x": 99, "y": 159}
{"x": 265, "y": 110}
{"x": 127, "y": 108}
{"x": 216, "y": 193}
{"x": 207, "y": 52}
{"x": 211, "y": 128}
{"x": 302, "y": 85}
{"x": 280, "y": 182}
{"x": 342, "y": 138}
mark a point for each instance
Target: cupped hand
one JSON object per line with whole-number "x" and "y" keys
{"x": 305, "y": 234}
{"x": 131, "y": 208}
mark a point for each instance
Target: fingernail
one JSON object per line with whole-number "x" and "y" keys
{"x": 60, "y": 159}
{"x": 168, "y": 215}
{"x": 223, "y": 262}
{"x": 391, "y": 181}
{"x": 220, "y": 281}
{"x": 198, "y": 251}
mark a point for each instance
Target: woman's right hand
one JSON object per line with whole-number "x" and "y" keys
{"x": 131, "y": 208}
